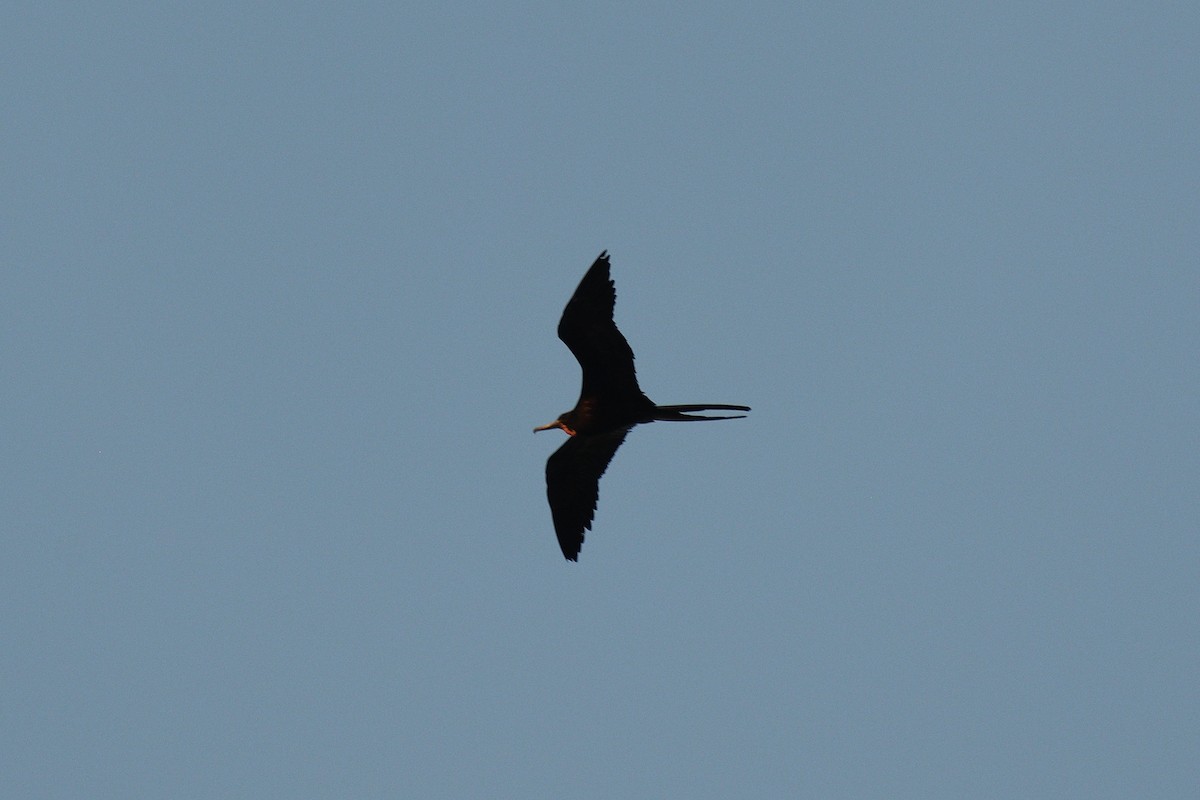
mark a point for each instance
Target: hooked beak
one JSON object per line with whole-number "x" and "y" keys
{"x": 558, "y": 423}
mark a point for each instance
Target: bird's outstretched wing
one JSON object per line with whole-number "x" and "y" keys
{"x": 587, "y": 328}
{"x": 573, "y": 485}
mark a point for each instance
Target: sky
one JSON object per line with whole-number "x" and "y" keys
{"x": 278, "y": 294}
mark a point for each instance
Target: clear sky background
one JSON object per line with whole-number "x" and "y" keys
{"x": 278, "y": 300}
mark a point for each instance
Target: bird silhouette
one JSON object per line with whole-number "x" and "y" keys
{"x": 610, "y": 405}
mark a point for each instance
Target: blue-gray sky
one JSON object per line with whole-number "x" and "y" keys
{"x": 278, "y": 301}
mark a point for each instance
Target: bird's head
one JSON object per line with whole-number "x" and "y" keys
{"x": 565, "y": 421}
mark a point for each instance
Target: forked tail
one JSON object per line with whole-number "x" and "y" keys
{"x": 676, "y": 413}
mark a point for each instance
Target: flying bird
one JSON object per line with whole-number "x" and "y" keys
{"x": 610, "y": 405}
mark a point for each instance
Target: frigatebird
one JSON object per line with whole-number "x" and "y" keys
{"x": 610, "y": 405}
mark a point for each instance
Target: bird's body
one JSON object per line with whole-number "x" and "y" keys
{"x": 610, "y": 404}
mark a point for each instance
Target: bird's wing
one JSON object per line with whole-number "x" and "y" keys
{"x": 587, "y": 328}
{"x": 573, "y": 485}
